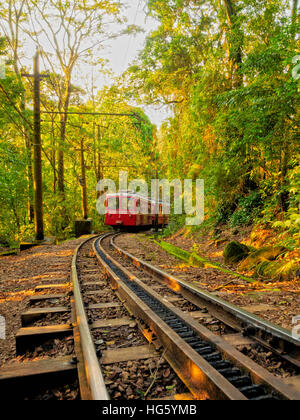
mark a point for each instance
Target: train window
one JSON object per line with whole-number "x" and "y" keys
{"x": 138, "y": 205}
{"x": 123, "y": 205}
{"x": 113, "y": 203}
{"x": 131, "y": 204}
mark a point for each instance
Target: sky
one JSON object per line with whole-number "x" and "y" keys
{"x": 124, "y": 50}
{"x": 120, "y": 53}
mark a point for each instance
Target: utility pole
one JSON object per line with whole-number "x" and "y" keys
{"x": 157, "y": 206}
{"x": 37, "y": 148}
{"x": 99, "y": 171}
{"x": 83, "y": 182}
{"x": 38, "y": 177}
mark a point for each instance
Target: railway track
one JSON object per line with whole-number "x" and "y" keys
{"x": 108, "y": 356}
{"x": 126, "y": 338}
{"x": 54, "y": 350}
{"x": 272, "y": 337}
{"x": 210, "y": 366}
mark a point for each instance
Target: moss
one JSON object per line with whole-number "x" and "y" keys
{"x": 277, "y": 270}
{"x": 9, "y": 252}
{"x": 263, "y": 268}
{"x": 269, "y": 253}
{"x": 194, "y": 259}
{"x": 175, "y": 251}
{"x": 260, "y": 256}
{"x": 235, "y": 252}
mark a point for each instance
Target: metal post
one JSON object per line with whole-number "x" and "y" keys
{"x": 37, "y": 147}
{"x": 157, "y": 202}
{"x": 83, "y": 182}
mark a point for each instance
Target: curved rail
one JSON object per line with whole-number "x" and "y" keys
{"x": 93, "y": 371}
{"x": 204, "y": 362}
{"x": 269, "y": 335}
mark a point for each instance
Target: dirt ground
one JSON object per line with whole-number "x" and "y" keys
{"x": 282, "y": 298}
{"x": 20, "y": 274}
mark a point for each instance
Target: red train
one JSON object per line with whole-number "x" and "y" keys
{"x": 130, "y": 210}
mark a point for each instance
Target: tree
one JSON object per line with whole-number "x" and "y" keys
{"x": 13, "y": 17}
{"x": 235, "y": 41}
{"x": 229, "y": 62}
{"x": 72, "y": 31}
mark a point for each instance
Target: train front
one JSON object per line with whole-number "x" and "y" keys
{"x": 118, "y": 211}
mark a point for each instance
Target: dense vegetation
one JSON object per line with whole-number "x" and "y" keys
{"x": 225, "y": 67}
{"x": 78, "y": 149}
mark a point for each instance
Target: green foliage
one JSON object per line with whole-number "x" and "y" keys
{"x": 193, "y": 259}
{"x": 249, "y": 209}
{"x": 235, "y": 252}
{"x": 236, "y": 105}
{"x": 226, "y": 76}
{"x": 175, "y": 224}
{"x": 290, "y": 226}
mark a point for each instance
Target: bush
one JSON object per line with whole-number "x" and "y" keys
{"x": 249, "y": 208}
{"x": 235, "y": 252}
{"x": 176, "y": 223}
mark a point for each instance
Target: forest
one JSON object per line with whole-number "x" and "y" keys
{"x": 227, "y": 70}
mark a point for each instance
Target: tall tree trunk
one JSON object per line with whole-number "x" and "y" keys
{"x": 294, "y": 17}
{"x": 14, "y": 17}
{"x": 30, "y": 205}
{"x": 295, "y": 11}
{"x": 53, "y": 156}
{"x": 63, "y": 127}
{"x": 99, "y": 171}
{"x": 235, "y": 43}
{"x": 61, "y": 164}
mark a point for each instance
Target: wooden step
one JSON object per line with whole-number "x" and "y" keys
{"x": 237, "y": 340}
{"x": 199, "y": 314}
{"x": 176, "y": 397}
{"x": 106, "y": 323}
{"x": 105, "y": 305}
{"x": 173, "y": 299}
{"x": 30, "y": 337}
{"x": 92, "y": 271}
{"x": 41, "y": 298}
{"x": 94, "y": 275}
{"x": 127, "y": 354}
{"x": 22, "y": 379}
{"x": 94, "y": 283}
{"x": 43, "y": 287}
{"x": 36, "y": 313}
{"x": 98, "y": 292}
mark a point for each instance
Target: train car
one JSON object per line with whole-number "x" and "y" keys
{"x": 125, "y": 210}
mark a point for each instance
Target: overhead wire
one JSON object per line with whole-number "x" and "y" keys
{"x": 130, "y": 38}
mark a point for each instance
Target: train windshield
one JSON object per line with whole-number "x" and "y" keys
{"x": 113, "y": 203}
{"x": 121, "y": 203}
{"x": 127, "y": 204}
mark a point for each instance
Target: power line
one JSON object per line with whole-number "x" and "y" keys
{"x": 130, "y": 38}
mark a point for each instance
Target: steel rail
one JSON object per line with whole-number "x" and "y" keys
{"x": 277, "y": 338}
{"x": 181, "y": 355}
{"x": 94, "y": 375}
